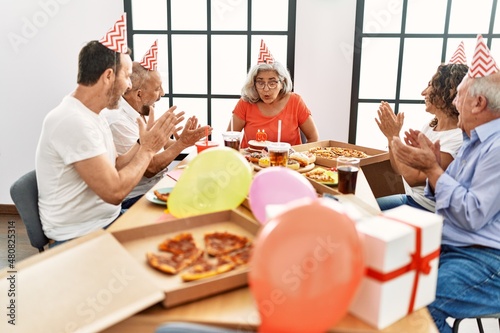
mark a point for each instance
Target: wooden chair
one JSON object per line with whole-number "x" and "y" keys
{"x": 457, "y": 322}
{"x": 24, "y": 193}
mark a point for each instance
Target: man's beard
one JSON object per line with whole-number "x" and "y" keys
{"x": 113, "y": 98}
{"x": 145, "y": 110}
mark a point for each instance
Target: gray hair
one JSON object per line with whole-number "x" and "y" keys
{"x": 489, "y": 87}
{"x": 250, "y": 94}
{"x": 139, "y": 76}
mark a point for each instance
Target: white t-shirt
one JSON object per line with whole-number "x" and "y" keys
{"x": 451, "y": 141}
{"x": 123, "y": 125}
{"x": 68, "y": 207}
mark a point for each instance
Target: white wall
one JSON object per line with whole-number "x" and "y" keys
{"x": 40, "y": 41}
{"x": 323, "y": 63}
{"x": 40, "y": 68}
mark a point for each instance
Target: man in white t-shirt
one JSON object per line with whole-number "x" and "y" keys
{"x": 138, "y": 101}
{"x": 81, "y": 181}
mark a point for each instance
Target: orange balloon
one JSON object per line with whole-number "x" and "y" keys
{"x": 306, "y": 267}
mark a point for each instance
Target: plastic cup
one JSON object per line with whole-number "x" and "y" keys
{"x": 278, "y": 153}
{"x": 232, "y": 139}
{"x": 202, "y": 145}
{"x": 347, "y": 169}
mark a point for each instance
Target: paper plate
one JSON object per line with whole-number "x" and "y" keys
{"x": 152, "y": 197}
{"x": 333, "y": 174}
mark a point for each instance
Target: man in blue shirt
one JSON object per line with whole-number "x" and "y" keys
{"x": 467, "y": 195}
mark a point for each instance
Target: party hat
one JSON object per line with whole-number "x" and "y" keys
{"x": 116, "y": 38}
{"x": 482, "y": 62}
{"x": 150, "y": 59}
{"x": 459, "y": 56}
{"x": 265, "y": 57}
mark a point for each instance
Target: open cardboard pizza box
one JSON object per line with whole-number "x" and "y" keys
{"x": 84, "y": 285}
{"x": 377, "y": 167}
{"x": 138, "y": 241}
{"x": 98, "y": 280}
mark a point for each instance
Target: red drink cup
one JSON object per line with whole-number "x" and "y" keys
{"x": 202, "y": 145}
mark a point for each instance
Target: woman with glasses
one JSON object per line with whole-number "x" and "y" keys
{"x": 266, "y": 98}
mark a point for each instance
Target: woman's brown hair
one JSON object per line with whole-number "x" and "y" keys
{"x": 444, "y": 89}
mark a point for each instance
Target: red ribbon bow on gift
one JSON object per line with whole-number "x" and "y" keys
{"x": 418, "y": 263}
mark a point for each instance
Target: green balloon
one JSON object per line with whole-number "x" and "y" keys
{"x": 216, "y": 179}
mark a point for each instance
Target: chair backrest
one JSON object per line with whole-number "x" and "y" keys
{"x": 24, "y": 193}
{"x": 303, "y": 137}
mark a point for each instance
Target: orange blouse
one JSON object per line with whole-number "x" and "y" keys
{"x": 294, "y": 114}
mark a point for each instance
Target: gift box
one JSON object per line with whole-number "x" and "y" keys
{"x": 401, "y": 249}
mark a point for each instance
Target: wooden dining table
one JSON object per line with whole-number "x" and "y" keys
{"x": 236, "y": 308}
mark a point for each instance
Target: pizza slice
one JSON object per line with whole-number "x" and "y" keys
{"x": 172, "y": 263}
{"x": 348, "y": 152}
{"x": 239, "y": 257}
{"x": 179, "y": 244}
{"x": 161, "y": 196}
{"x": 334, "y": 152}
{"x": 322, "y": 175}
{"x": 219, "y": 243}
{"x": 207, "y": 267}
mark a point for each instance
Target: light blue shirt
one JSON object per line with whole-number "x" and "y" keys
{"x": 468, "y": 193}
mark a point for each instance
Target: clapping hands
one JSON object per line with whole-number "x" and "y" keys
{"x": 193, "y": 132}
{"x": 419, "y": 152}
{"x": 155, "y": 134}
{"x": 389, "y": 123}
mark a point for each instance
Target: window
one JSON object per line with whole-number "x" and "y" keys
{"x": 399, "y": 45}
{"x": 205, "y": 48}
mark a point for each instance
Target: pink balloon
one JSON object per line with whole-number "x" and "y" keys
{"x": 306, "y": 267}
{"x": 277, "y": 185}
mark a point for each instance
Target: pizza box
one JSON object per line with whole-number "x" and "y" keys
{"x": 377, "y": 167}
{"x": 84, "y": 285}
{"x": 138, "y": 241}
{"x": 98, "y": 280}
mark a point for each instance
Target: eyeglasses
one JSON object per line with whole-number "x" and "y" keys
{"x": 271, "y": 84}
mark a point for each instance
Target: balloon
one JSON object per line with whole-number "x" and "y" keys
{"x": 216, "y": 179}
{"x": 276, "y": 186}
{"x": 306, "y": 267}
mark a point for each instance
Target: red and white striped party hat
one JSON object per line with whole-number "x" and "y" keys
{"x": 265, "y": 57}
{"x": 150, "y": 59}
{"x": 116, "y": 38}
{"x": 483, "y": 63}
{"x": 459, "y": 56}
